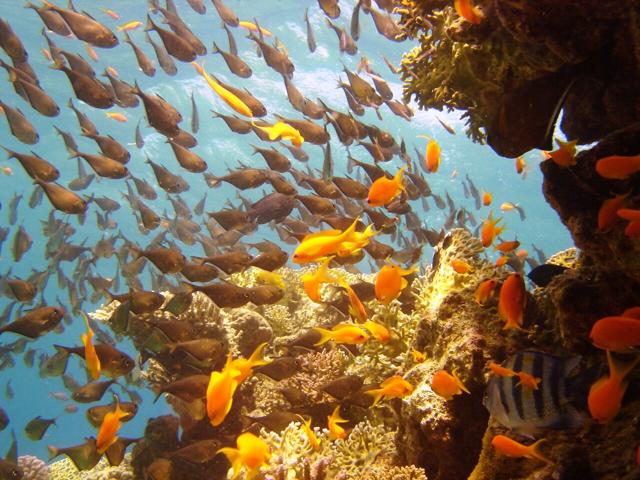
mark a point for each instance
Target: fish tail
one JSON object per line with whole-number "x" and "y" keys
{"x": 377, "y": 395}
{"x": 10, "y": 153}
{"x": 150, "y": 25}
{"x": 74, "y": 153}
{"x": 53, "y": 452}
{"x": 212, "y": 180}
{"x": 534, "y": 451}
{"x": 325, "y": 336}
{"x": 215, "y": 48}
{"x": 188, "y": 287}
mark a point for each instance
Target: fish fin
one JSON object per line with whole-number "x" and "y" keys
{"x": 150, "y": 25}
{"x": 325, "y": 336}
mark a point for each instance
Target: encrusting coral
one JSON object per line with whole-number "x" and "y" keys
{"x": 66, "y": 470}
{"x": 34, "y": 468}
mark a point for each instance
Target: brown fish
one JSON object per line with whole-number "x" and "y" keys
{"x": 224, "y": 295}
{"x": 144, "y": 62}
{"x": 276, "y": 420}
{"x": 199, "y": 452}
{"x": 343, "y": 386}
{"x": 312, "y": 132}
{"x": 270, "y": 260}
{"x": 22, "y": 291}
{"x": 88, "y": 89}
{"x": 37, "y": 97}
{"x": 236, "y": 65}
{"x": 140, "y": 301}
{"x": 20, "y": 127}
{"x": 276, "y": 59}
{"x": 103, "y": 166}
{"x": 255, "y": 105}
{"x": 176, "y": 45}
{"x": 35, "y": 166}
{"x": 279, "y": 183}
{"x": 276, "y": 160}
{"x": 164, "y": 59}
{"x": 84, "y": 27}
{"x": 83, "y": 456}
{"x": 21, "y": 243}
{"x": 86, "y": 125}
{"x": 317, "y": 205}
{"x": 168, "y": 260}
{"x": 400, "y": 109}
{"x": 351, "y": 188}
{"x": 187, "y": 159}
{"x": 62, "y": 199}
{"x": 273, "y": 207}
{"x": 51, "y": 19}
{"x": 110, "y": 147}
{"x": 242, "y": 179}
{"x": 201, "y": 352}
{"x": 330, "y": 8}
{"x": 226, "y": 14}
{"x": 230, "y": 262}
{"x": 113, "y": 362}
{"x": 346, "y": 43}
{"x": 279, "y": 368}
{"x": 144, "y": 189}
{"x": 160, "y": 114}
{"x": 324, "y": 188}
{"x": 124, "y": 96}
{"x": 189, "y": 389}
{"x": 11, "y": 43}
{"x": 195, "y": 272}
{"x": 235, "y": 124}
{"x": 264, "y": 294}
{"x": 36, "y": 428}
{"x": 182, "y": 30}
{"x": 385, "y": 25}
{"x": 36, "y": 322}
{"x": 78, "y": 64}
{"x": 168, "y": 181}
{"x": 230, "y": 219}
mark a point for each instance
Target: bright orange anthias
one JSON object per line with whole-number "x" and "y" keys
{"x": 90, "y": 355}
{"x": 319, "y": 245}
{"x": 432, "y": 155}
{"x": 390, "y": 282}
{"x": 384, "y": 189}
{"x": 512, "y": 301}
{"x": 564, "y": 156}
{"x": 500, "y": 370}
{"x": 486, "y": 198}
{"x": 347, "y": 333}
{"x": 392, "y": 387}
{"x": 490, "y": 230}
{"x": 222, "y": 386}
{"x": 447, "y": 385}
{"x": 107, "y": 435}
{"x": 605, "y": 396}
{"x": 485, "y": 291}
{"x": 469, "y": 12}
{"x": 618, "y": 334}
{"x": 511, "y": 448}
{"x": 607, "y": 215}
{"x": 618, "y": 167}
{"x": 311, "y": 281}
{"x": 460, "y": 266}
{"x": 252, "y": 453}
{"x": 527, "y": 380}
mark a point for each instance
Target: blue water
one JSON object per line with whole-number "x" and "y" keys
{"x": 316, "y": 75}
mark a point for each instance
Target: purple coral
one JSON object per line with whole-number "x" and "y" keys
{"x": 34, "y": 468}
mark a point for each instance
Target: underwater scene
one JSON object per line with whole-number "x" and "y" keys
{"x": 332, "y": 239}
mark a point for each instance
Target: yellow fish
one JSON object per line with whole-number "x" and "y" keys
{"x": 333, "y": 423}
{"x": 254, "y": 28}
{"x": 111, "y": 423}
{"x": 90, "y": 356}
{"x": 283, "y": 131}
{"x": 313, "y": 438}
{"x": 229, "y": 98}
{"x": 392, "y": 387}
{"x": 356, "y": 307}
{"x": 252, "y": 453}
{"x": 389, "y": 282}
{"x": 311, "y": 281}
{"x": 222, "y": 386}
{"x": 322, "y": 244}
{"x": 378, "y": 331}
{"x": 348, "y": 333}
{"x": 130, "y": 26}
{"x": 271, "y": 278}
{"x": 244, "y": 366}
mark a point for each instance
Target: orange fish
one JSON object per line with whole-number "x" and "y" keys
{"x": 618, "y": 167}
{"x": 633, "y": 229}
{"x": 117, "y": 116}
{"x": 333, "y": 424}
{"x": 619, "y": 334}
{"x": 632, "y": 215}
{"x": 564, "y": 156}
{"x": 460, "y": 266}
{"x": 506, "y": 247}
{"x": 418, "y": 357}
{"x": 390, "y": 282}
{"x": 90, "y": 356}
{"x": 469, "y": 12}
{"x": 356, "y": 307}
{"x": 528, "y": 380}
{"x": 502, "y": 260}
{"x": 311, "y": 435}
{"x": 7, "y": 171}
{"x": 485, "y": 291}
{"x": 322, "y": 244}
{"x": 500, "y": 370}
{"x": 490, "y": 230}
{"x": 252, "y": 453}
{"x": 384, "y": 189}
{"x": 520, "y": 165}
{"x": 112, "y": 71}
{"x": 378, "y": 331}
{"x": 111, "y": 13}
{"x": 511, "y": 448}
{"x": 633, "y": 312}
{"x": 111, "y": 423}
{"x": 512, "y": 301}
{"x": 244, "y": 366}
{"x": 392, "y": 387}
{"x": 522, "y": 253}
{"x": 311, "y": 281}
{"x": 347, "y": 333}
{"x": 432, "y": 155}
{"x": 91, "y": 52}
{"x": 607, "y": 214}
{"x": 46, "y": 54}
{"x": 486, "y": 198}
{"x": 222, "y": 386}
{"x": 130, "y": 26}
{"x": 605, "y": 396}
{"x": 447, "y": 385}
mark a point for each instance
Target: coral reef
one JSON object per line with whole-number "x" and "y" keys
{"x": 66, "y": 470}
{"x": 461, "y": 65}
{"x": 34, "y": 468}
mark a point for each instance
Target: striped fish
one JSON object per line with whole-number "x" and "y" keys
{"x": 526, "y": 410}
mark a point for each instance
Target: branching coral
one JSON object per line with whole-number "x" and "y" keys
{"x": 66, "y": 470}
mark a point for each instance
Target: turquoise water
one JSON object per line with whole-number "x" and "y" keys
{"x": 316, "y": 76}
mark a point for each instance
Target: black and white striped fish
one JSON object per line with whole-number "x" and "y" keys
{"x": 552, "y": 405}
